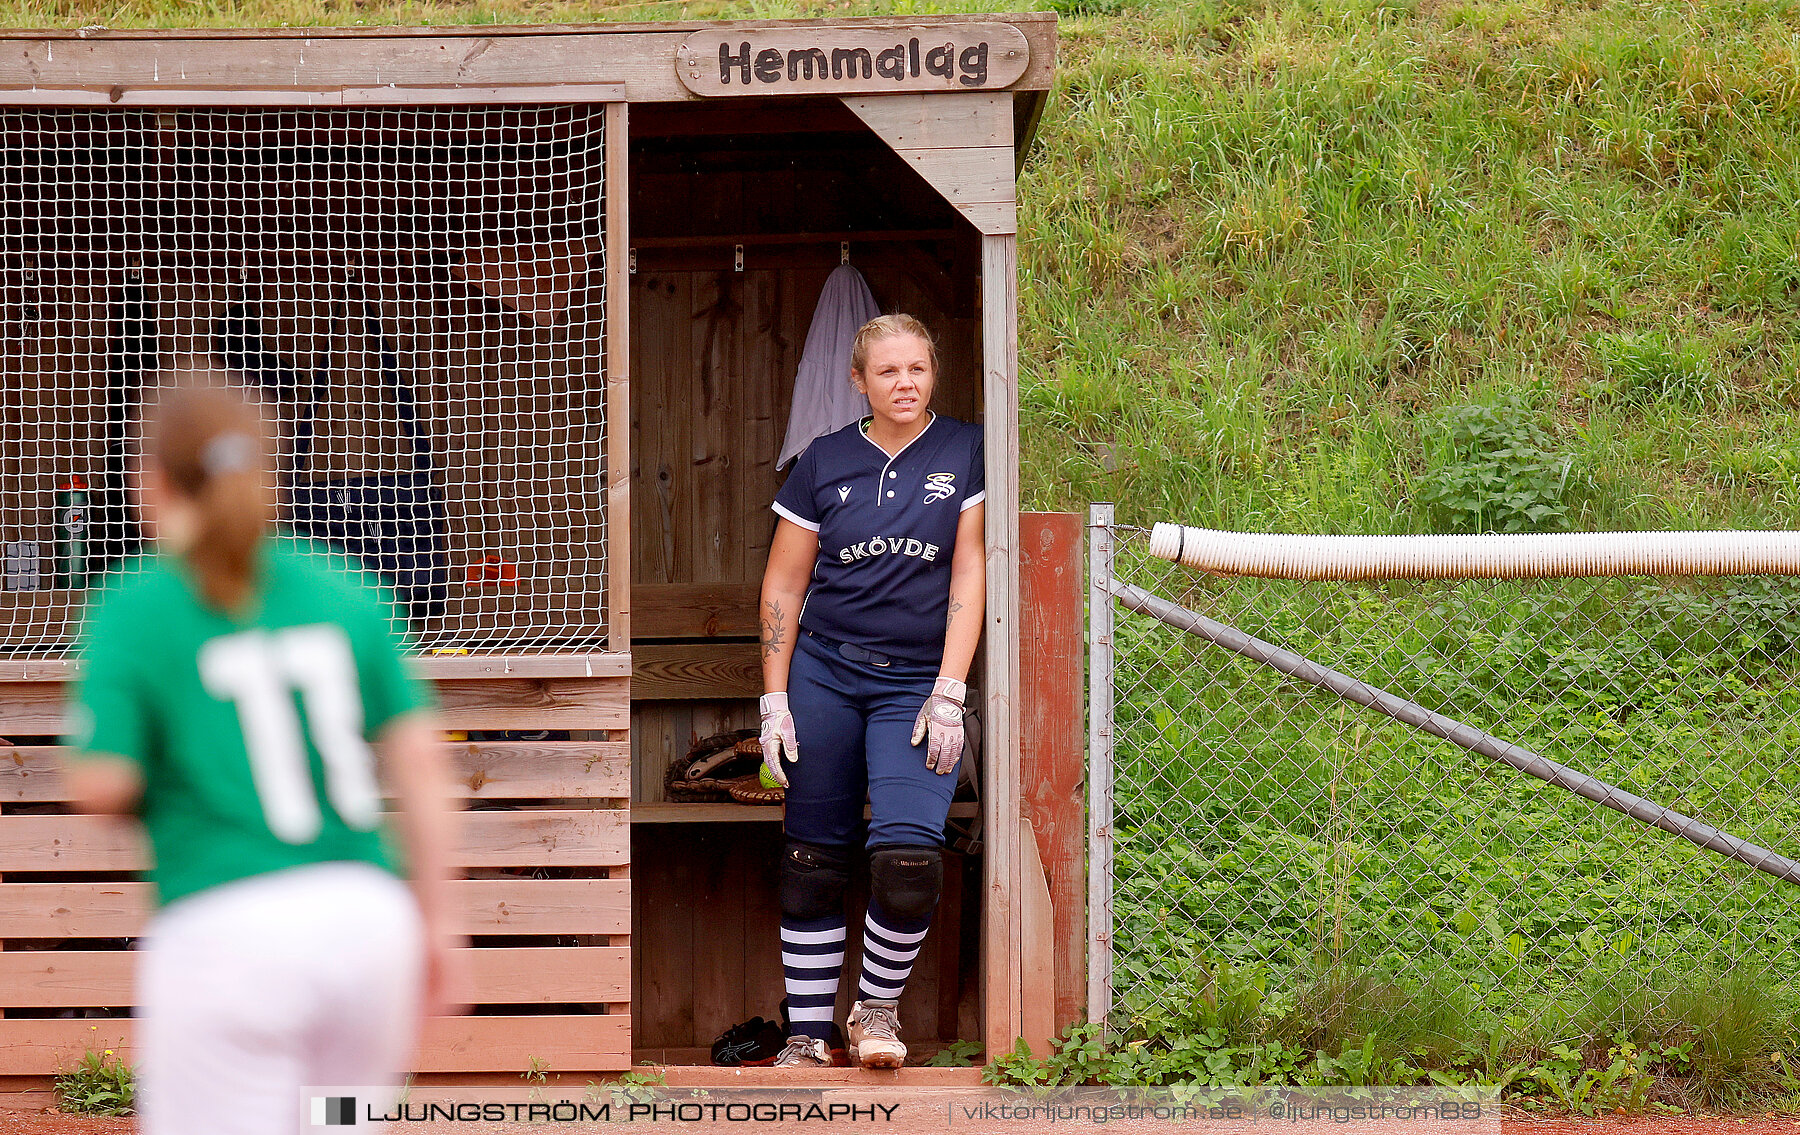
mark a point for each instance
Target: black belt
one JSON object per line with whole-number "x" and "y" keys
{"x": 851, "y": 651}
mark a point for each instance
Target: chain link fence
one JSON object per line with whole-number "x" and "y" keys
{"x": 1265, "y": 833}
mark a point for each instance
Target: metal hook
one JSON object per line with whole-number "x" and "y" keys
{"x": 843, "y": 252}
{"x": 633, "y": 262}
{"x": 739, "y": 259}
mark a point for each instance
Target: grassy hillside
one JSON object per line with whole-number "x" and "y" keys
{"x": 1275, "y": 249}
{"x": 1274, "y": 252}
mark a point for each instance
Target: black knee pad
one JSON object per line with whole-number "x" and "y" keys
{"x": 813, "y": 880}
{"x": 906, "y": 881}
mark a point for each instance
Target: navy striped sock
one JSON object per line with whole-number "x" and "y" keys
{"x": 890, "y": 945}
{"x": 812, "y": 954}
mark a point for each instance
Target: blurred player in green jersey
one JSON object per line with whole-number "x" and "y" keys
{"x": 237, "y": 688}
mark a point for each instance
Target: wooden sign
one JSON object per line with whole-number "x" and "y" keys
{"x": 843, "y": 61}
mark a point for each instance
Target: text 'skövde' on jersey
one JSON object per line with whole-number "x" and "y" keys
{"x": 888, "y": 546}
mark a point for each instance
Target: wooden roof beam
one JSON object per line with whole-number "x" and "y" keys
{"x": 303, "y": 66}
{"x": 961, "y": 143}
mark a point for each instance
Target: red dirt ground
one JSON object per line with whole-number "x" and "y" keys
{"x": 37, "y": 1123}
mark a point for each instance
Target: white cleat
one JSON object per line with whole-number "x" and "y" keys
{"x": 874, "y": 1032}
{"x": 804, "y": 1052}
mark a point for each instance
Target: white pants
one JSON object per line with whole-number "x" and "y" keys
{"x": 251, "y": 991}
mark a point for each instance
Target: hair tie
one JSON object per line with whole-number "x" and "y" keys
{"x": 229, "y": 453}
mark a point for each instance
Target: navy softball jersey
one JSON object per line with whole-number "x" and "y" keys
{"x": 887, "y": 531}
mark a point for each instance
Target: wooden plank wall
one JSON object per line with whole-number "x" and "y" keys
{"x": 710, "y": 349}
{"x": 547, "y": 900}
{"x": 703, "y": 443}
{"x": 712, "y": 954}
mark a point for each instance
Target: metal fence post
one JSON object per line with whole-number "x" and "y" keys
{"x": 1100, "y": 762}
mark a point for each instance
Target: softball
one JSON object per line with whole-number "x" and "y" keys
{"x": 763, "y": 778}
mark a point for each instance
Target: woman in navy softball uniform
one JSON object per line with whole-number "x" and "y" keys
{"x": 887, "y": 529}
{"x": 880, "y": 547}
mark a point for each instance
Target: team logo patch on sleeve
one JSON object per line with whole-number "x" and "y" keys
{"x": 938, "y": 486}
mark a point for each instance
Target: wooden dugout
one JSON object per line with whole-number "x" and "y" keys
{"x": 600, "y": 345}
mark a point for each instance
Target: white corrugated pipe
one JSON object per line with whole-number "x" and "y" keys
{"x": 1478, "y": 557}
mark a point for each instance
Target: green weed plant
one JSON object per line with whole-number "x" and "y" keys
{"x": 98, "y": 1084}
{"x": 956, "y": 1054}
{"x": 1495, "y": 470}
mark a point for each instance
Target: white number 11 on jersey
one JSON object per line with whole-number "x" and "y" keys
{"x": 261, "y": 671}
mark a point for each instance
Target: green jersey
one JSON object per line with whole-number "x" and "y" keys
{"x": 252, "y": 731}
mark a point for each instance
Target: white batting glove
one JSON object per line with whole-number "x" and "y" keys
{"x": 777, "y": 736}
{"x": 941, "y": 720}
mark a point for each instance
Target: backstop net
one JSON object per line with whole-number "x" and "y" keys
{"x": 415, "y": 298}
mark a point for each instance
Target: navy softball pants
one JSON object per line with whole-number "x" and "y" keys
{"x": 854, "y": 720}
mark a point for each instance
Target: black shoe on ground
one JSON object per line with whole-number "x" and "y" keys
{"x": 753, "y": 1043}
